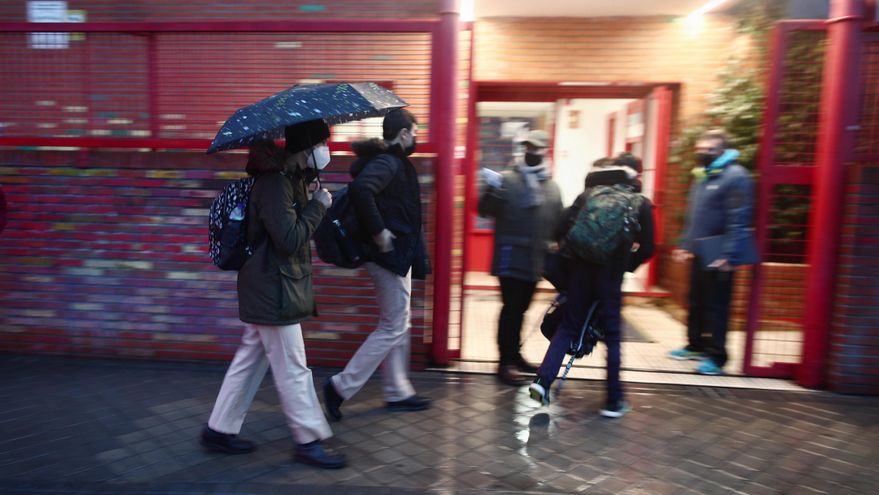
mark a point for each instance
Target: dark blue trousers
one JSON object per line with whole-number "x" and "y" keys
{"x": 587, "y": 283}
{"x": 708, "y": 321}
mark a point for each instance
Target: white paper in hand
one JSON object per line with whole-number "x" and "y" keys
{"x": 491, "y": 178}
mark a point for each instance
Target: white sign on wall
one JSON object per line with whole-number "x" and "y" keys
{"x": 48, "y": 12}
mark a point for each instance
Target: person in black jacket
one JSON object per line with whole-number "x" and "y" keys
{"x": 587, "y": 282}
{"x": 387, "y": 197}
{"x": 526, "y": 205}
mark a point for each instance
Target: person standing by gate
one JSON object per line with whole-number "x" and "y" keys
{"x": 719, "y": 208}
{"x": 526, "y": 206}
{"x": 387, "y": 197}
{"x": 275, "y": 295}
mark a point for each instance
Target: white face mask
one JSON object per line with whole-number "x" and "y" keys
{"x": 319, "y": 157}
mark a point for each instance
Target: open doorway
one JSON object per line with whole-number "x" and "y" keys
{"x": 585, "y": 123}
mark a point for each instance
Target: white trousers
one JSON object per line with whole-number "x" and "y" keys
{"x": 281, "y": 347}
{"x": 387, "y": 345}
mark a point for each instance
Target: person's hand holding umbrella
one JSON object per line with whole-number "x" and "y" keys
{"x": 323, "y": 196}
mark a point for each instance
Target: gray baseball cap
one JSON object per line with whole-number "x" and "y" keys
{"x": 536, "y": 138}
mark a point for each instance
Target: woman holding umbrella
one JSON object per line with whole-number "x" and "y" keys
{"x": 275, "y": 295}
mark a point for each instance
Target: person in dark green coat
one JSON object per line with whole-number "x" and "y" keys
{"x": 275, "y": 295}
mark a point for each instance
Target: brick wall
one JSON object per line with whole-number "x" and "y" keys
{"x": 853, "y": 363}
{"x": 105, "y": 254}
{"x": 606, "y": 49}
{"x": 854, "y": 342}
{"x": 854, "y": 345}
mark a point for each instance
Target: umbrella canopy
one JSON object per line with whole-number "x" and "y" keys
{"x": 332, "y": 103}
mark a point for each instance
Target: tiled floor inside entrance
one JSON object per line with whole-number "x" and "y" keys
{"x": 650, "y": 335}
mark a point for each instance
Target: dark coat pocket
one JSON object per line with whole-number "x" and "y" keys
{"x": 398, "y": 226}
{"x": 297, "y": 296}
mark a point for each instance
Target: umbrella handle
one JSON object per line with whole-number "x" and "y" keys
{"x": 316, "y": 181}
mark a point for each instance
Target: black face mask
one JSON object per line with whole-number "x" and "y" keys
{"x": 408, "y": 150}
{"x": 705, "y": 159}
{"x": 533, "y": 159}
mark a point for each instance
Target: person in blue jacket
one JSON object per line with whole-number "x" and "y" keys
{"x": 720, "y": 204}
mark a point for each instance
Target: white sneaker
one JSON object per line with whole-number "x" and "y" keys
{"x": 616, "y": 409}
{"x": 538, "y": 392}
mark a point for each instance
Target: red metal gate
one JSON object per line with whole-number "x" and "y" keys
{"x": 786, "y": 169}
{"x": 797, "y": 235}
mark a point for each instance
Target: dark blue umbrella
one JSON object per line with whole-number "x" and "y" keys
{"x": 332, "y": 103}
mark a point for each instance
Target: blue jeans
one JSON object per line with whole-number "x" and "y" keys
{"x": 586, "y": 284}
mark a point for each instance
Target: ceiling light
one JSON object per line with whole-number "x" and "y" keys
{"x": 468, "y": 10}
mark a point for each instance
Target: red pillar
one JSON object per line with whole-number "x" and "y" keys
{"x": 841, "y": 87}
{"x": 443, "y": 91}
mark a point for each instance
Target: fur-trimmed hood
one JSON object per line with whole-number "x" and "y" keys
{"x": 608, "y": 176}
{"x": 368, "y": 149}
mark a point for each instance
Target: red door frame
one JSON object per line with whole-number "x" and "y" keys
{"x": 636, "y": 107}
{"x": 611, "y": 131}
{"x": 444, "y": 91}
{"x": 525, "y": 91}
{"x": 663, "y": 98}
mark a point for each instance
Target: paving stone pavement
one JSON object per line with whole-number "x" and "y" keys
{"x": 77, "y": 426}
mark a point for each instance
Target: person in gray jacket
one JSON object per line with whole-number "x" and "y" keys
{"x": 526, "y": 205}
{"x": 719, "y": 204}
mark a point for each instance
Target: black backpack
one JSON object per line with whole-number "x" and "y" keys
{"x": 227, "y": 225}
{"x": 337, "y": 238}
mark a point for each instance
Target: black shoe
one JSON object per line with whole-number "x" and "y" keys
{"x": 332, "y": 400}
{"x": 225, "y": 442}
{"x": 413, "y": 403}
{"x": 525, "y": 366}
{"x": 314, "y": 454}
{"x": 507, "y": 373}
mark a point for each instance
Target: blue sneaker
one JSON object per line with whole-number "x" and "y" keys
{"x": 709, "y": 368}
{"x": 686, "y": 354}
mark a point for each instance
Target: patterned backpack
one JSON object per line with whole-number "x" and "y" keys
{"x": 607, "y": 224}
{"x": 227, "y": 225}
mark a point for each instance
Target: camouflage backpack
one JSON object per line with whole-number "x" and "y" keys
{"x": 606, "y": 225}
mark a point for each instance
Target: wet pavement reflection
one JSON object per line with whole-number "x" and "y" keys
{"x": 93, "y": 426}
